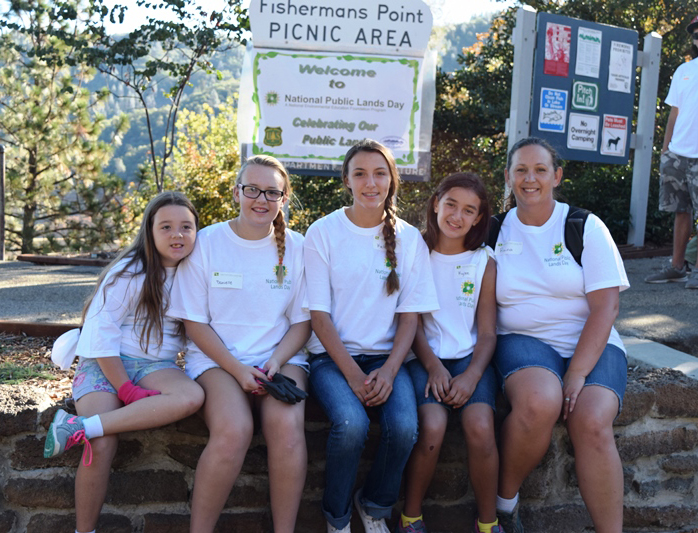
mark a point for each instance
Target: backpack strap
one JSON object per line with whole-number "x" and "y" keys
{"x": 495, "y": 226}
{"x": 574, "y": 231}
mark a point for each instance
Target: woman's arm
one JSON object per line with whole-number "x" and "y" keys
{"x": 463, "y": 386}
{"x": 380, "y": 380}
{"x": 603, "y": 310}
{"x": 113, "y": 369}
{"x": 327, "y": 333}
{"x": 294, "y": 339}
{"x": 208, "y": 341}
{"x": 439, "y": 378}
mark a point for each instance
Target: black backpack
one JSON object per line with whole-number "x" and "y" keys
{"x": 574, "y": 231}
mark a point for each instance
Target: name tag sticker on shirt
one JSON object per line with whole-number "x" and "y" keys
{"x": 509, "y": 248}
{"x": 226, "y": 280}
{"x": 464, "y": 271}
{"x": 379, "y": 244}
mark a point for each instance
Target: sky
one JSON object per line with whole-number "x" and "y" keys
{"x": 443, "y": 11}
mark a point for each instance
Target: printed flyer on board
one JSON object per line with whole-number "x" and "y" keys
{"x": 309, "y": 108}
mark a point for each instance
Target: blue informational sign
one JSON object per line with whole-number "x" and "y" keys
{"x": 553, "y": 110}
{"x": 584, "y": 88}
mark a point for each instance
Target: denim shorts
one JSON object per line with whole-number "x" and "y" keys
{"x": 515, "y": 352}
{"x": 90, "y": 378}
{"x": 485, "y": 391}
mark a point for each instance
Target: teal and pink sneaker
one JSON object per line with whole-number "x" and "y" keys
{"x": 66, "y": 431}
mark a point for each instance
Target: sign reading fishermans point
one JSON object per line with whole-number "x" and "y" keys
{"x": 324, "y": 74}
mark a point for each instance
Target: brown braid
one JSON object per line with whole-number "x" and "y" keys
{"x": 280, "y": 237}
{"x": 392, "y": 283}
{"x": 279, "y": 222}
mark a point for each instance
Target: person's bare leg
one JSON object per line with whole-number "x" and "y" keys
{"x": 598, "y": 465}
{"x": 535, "y": 395}
{"x": 283, "y": 426}
{"x": 683, "y": 225}
{"x": 421, "y": 466}
{"x": 483, "y": 460}
{"x": 228, "y": 416}
{"x": 179, "y": 398}
{"x": 91, "y": 482}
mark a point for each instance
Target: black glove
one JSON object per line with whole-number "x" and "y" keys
{"x": 283, "y": 388}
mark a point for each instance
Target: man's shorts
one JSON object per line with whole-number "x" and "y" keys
{"x": 678, "y": 190}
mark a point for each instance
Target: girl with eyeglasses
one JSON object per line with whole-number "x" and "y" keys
{"x": 240, "y": 298}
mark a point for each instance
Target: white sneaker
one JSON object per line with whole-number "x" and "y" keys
{"x": 332, "y": 529}
{"x": 371, "y": 525}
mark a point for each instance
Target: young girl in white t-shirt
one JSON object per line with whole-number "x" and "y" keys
{"x": 126, "y": 378}
{"x": 240, "y": 296}
{"x": 454, "y": 346}
{"x": 368, "y": 279}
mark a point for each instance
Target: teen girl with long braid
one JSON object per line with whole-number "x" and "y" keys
{"x": 369, "y": 277}
{"x": 240, "y": 297}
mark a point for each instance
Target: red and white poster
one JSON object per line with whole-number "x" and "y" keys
{"x": 557, "y": 49}
{"x": 614, "y": 135}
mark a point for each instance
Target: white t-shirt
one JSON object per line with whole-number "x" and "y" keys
{"x": 110, "y": 329}
{"x": 230, "y": 283}
{"x": 683, "y": 93}
{"x": 346, "y": 272}
{"x": 452, "y": 330}
{"x": 541, "y": 290}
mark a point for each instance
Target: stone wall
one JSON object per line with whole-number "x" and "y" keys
{"x": 152, "y": 478}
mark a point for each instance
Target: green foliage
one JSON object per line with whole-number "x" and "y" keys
{"x": 206, "y": 160}
{"x": 460, "y": 36}
{"x": 57, "y": 196}
{"x": 14, "y": 374}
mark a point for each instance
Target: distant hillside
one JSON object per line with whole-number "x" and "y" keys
{"x": 459, "y": 36}
{"x": 132, "y": 150}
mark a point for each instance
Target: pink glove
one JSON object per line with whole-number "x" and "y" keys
{"x": 129, "y": 393}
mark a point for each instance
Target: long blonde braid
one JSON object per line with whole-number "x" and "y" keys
{"x": 280, "y": 237}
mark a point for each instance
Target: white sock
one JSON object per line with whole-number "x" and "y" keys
{"x": 506, "y": 505}
{"x": 93, "y": 428}
{"x": 93, "y": 531}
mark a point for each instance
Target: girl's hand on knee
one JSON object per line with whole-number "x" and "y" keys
{"x": 439, "y": 383}
{"x": 380, "y": 383}
{"x": 462, "y": 388}
{"x": 129, "y": 393}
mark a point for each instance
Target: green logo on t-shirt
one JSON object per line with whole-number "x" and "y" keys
{"x": 467, "y": 287}
{"x": 557, "y": 248}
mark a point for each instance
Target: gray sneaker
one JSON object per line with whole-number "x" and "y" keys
{"x": 692, "y": 282}
{"x": 510, "y": 522}
{"x": 666, "y": 274}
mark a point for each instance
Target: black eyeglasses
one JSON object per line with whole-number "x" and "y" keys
{"x": 695, "y": 36}
{"x": 272, "y": 195}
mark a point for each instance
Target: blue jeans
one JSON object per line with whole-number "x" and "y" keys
{"x": 515, "y": 352}
{"x": 398, "y": 424}
{"x": 485, "y": 391}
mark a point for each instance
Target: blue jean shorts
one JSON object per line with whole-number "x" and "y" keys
{"x": 485, "y": 391}
{"x": 515, "y": 352}
{"x": 90, "y": 378}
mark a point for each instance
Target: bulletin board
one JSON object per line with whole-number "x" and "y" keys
{"x": 584, "y": 88}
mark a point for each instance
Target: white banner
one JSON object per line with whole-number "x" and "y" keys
{"x": 307, "y": 109}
